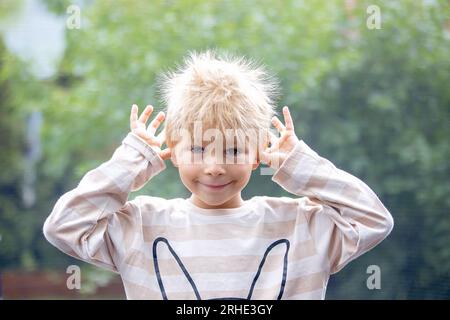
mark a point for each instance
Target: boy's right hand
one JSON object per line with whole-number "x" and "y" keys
{"x": 138, "y": 127}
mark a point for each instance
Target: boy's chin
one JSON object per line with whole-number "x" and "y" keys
{"x": 213, "y": 200}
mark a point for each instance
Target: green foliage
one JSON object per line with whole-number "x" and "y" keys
{"x": 375, "y": 102}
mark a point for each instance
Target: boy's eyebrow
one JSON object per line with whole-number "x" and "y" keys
{"x": 224, "y": 144}
{"x": 230, "y": 138}
{"x": 224, "y": 139}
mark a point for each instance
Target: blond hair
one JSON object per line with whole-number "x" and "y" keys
{"x": 222, "y": 91}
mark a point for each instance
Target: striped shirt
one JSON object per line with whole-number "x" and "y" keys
{"x": 269, "y": 248}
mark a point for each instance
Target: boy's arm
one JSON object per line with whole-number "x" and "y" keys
{"x": 348, "y": 218}
{"x": 94, "y": 222}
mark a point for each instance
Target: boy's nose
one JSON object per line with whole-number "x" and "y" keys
{"x": 213, "y": 166}
{"x": 214, "y": 170}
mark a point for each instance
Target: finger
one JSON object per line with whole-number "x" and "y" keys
{"x": 288, "y": 118}
{"x": 278, "y": 124}
{"x": 156, "y": 122}
{"x": 133, "y": 116}
{"x": 270, "y": 135}
{"x": 273, "y": 139}
{"x": 266, "y": 158}
{"x": 165, "y": 154}
{"x": 161, "y": 136}
{"x": 146, "y": 114}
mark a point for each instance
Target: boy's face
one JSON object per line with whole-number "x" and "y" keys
{"x": 215, "y": 171}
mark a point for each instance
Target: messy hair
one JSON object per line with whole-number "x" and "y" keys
{"x": 222, "y": 91}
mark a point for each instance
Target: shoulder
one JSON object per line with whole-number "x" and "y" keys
{"x": 156, "y": 210}
{"x": 287, "y": 204}
{"x": 275, "y": 202}
{"x": 156, "y": 204}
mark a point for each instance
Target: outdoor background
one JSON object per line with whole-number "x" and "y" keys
{"x": 376, "y": 102}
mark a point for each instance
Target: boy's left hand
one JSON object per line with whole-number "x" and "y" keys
{"x": 276, "y": 154}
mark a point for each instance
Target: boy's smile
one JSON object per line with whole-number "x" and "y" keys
{"x": 215, "y": 185}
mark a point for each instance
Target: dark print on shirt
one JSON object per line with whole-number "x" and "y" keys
{"x": 192, "y": 283}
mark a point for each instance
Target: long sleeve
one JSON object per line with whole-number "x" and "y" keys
{"x": 350, "y": 219}
{"x": 94, "y": 222}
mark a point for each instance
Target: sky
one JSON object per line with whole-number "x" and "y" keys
{"x": 36, "y": 36}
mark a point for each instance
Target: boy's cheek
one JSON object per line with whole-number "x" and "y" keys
{"x": 187, "y": 159}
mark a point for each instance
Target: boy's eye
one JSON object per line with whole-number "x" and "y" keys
{"x": 197, "y": 149}
{"x": 233, "y": 151}
{"x": 228, "y": 152}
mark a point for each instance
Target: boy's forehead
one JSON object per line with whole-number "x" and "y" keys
{"x": 227, "y": 137}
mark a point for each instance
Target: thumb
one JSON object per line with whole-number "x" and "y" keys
{"x": 266, "y": 157}
{"x": 165, "y": 154}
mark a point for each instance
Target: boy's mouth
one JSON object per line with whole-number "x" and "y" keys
{"x": 215, "y": 186}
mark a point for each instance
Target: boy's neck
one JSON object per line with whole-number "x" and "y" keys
{"x": 234, "y": 202}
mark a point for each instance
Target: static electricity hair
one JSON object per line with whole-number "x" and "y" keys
{"x": 223, "y": 91}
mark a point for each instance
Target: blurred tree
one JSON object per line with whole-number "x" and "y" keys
{"x": 11, "y": 145}
{"x": 385, "y": 117}
{"x": 21, "y": 242}
{"x": 375, "y": 102}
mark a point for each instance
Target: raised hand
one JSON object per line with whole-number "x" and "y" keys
{"x": 138, "y": 126}
{"x": 281, "y": 146}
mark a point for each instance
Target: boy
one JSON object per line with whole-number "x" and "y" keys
{"x": 214, "y": 244}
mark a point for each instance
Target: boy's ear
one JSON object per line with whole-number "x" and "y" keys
{"x": 173, "y": 155}
{"x": 258, "y": 160}
{"x": 173, "y": 158}
{"x": 258, "y": 157}
{"x": 256, "y": 165}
